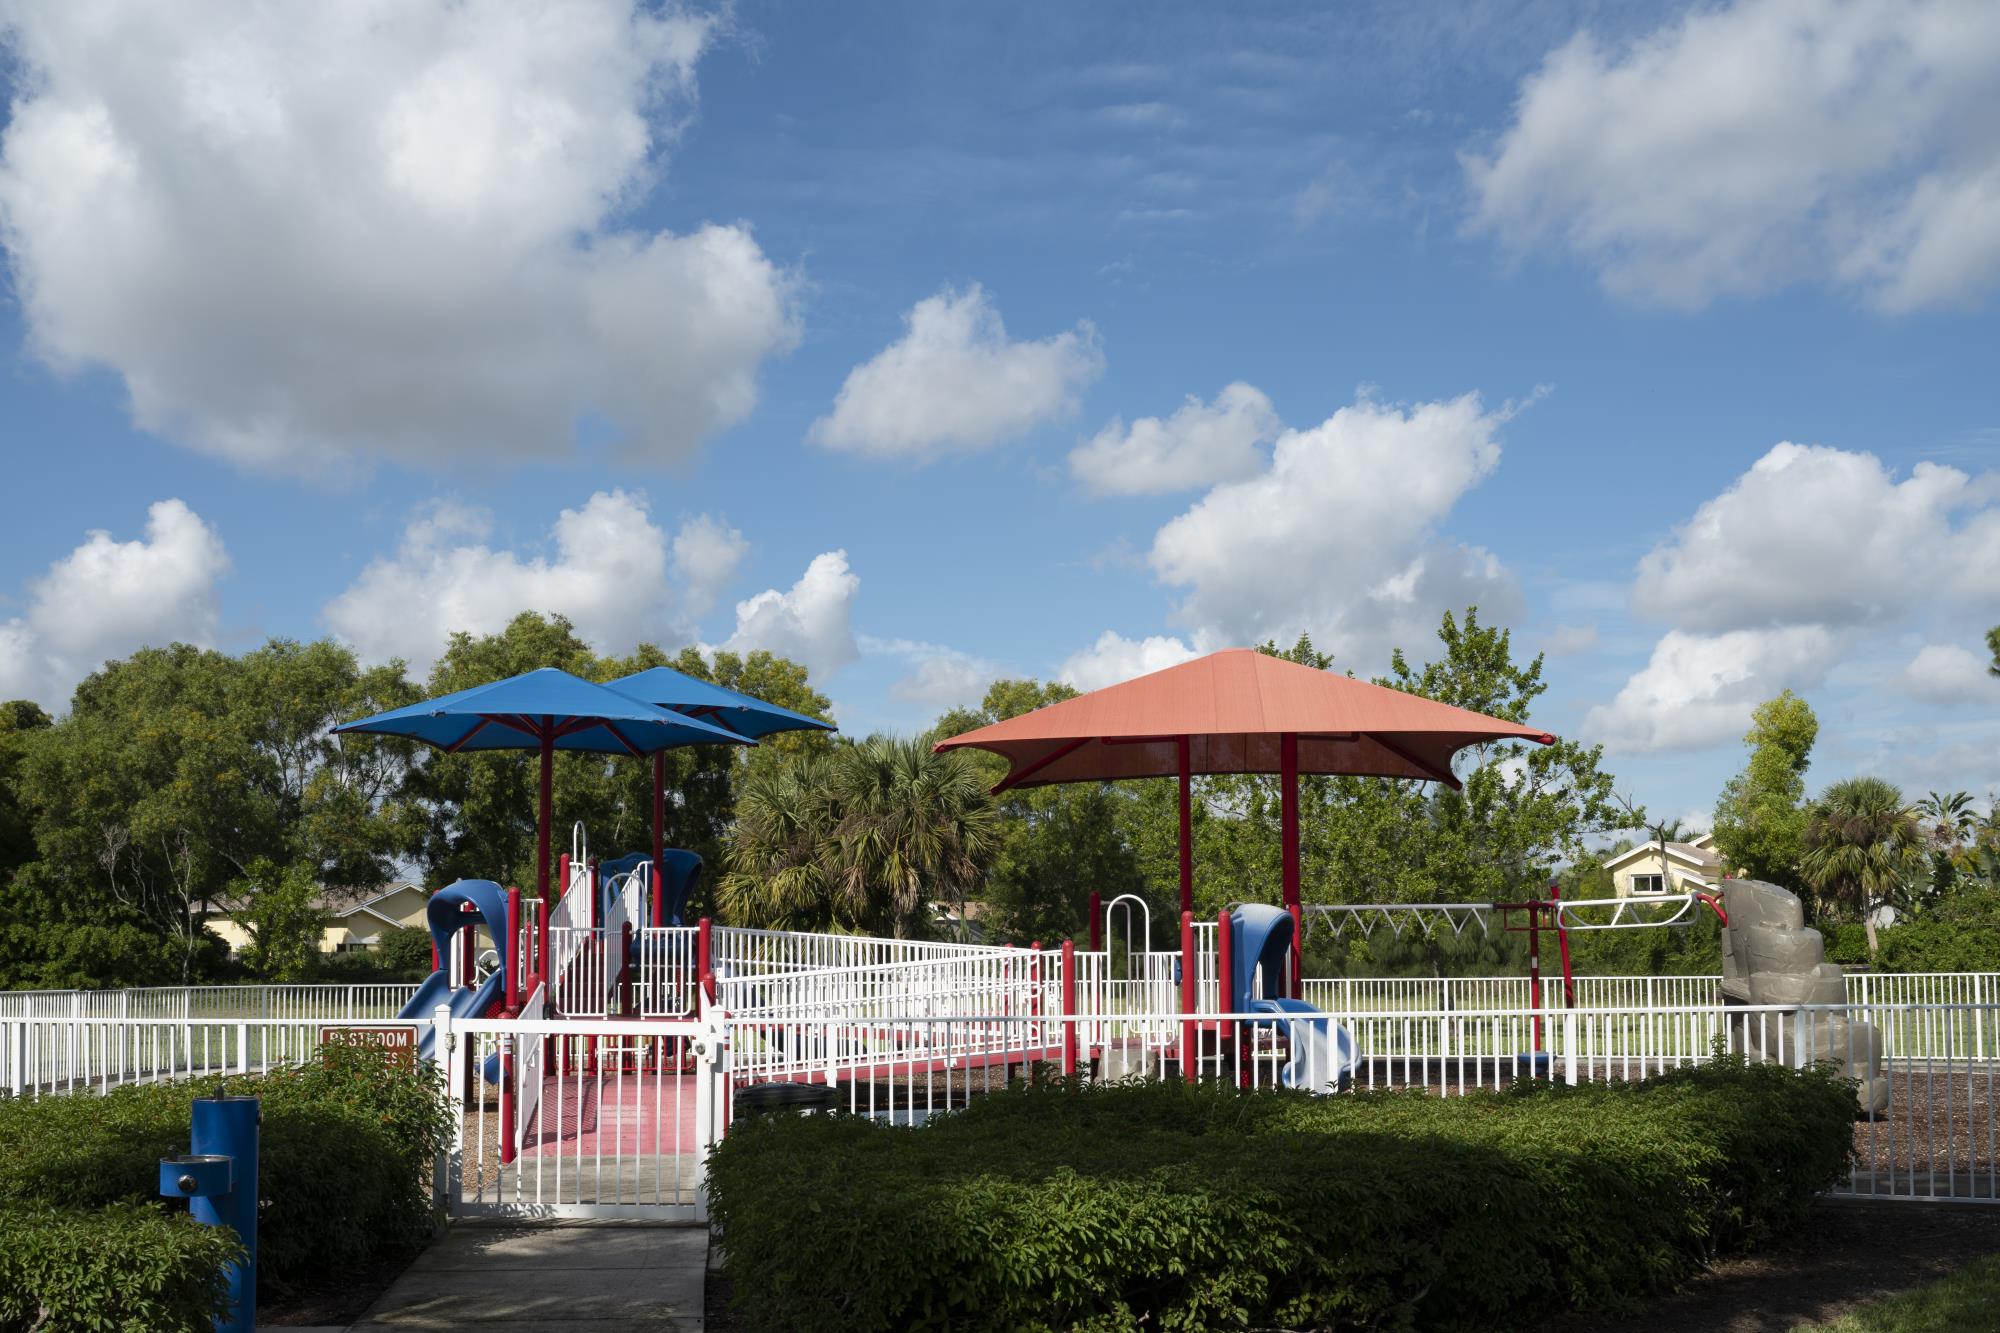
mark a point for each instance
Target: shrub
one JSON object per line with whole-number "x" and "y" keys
{"x": 346, "y": 1151}
{"x": 1191, "y": 1208}
{"x": 129, "y": 1267}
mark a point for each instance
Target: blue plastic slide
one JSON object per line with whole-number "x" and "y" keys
{"x": 683, "y": 872}
{"x": 1323, "y": 1056}
{"x": 446, "y": 914}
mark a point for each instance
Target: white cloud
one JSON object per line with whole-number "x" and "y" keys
{"x": 1947, "y": 673}
{"x": 1698, "y": 689}
{"x": 1199, "y": 445}
{"x": 1788, "y": 571}
{"x": 1568, "y": 640}
{"x": 608, "y": 575}
{"x": 1747, "y": 145}
{"x": 955, "y": 382}
{"x": 1817, "y": 535}
{"x": 302, "y": 234}
{"x": 107, "y": 598}
{"x": 812, "y": 623}
{"x": 942, "y": 682}
{"x": 1114, "y": 658}
{"x": 707, "y": 554}
{"x": 1338, "y": 536}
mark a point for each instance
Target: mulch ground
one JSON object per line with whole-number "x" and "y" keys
{"x": 1852, "y": 1253}
{"x": 339, "y": 1301}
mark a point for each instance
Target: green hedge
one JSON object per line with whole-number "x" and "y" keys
{"x": 347, "y": 1148}
{"x": 129, "y": 1267}
{"x": 1191, "y": 1208}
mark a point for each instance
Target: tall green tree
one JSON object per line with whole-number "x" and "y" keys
{"x": 1760, "y": 819}
{"x": 1993, "y": 650}
{"x": 19, "y": 720}
{"x": 1522, "y": 810}
{"x": 1057, "y": 844}
{"x": 1863, "y": 848}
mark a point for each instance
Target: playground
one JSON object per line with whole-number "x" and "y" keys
{"x": 601, "y": 1046}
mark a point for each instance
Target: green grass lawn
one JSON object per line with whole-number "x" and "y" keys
{"x": 1966, "y": 1302}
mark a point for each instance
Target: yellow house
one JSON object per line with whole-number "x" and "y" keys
{"x": 352, "y": 923}
{"x": 1642, "y": 871}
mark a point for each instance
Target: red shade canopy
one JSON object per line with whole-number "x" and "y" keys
{"x": 1235, "y": 707}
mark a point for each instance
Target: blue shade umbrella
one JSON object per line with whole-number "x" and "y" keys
{"x": 545, "y": 710}
{"x": 744, "y": 714}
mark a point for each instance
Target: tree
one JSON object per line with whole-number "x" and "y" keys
{"x": 1952, "y": 818}
{"x": 1522, "y": 810}
{"x": 147, "y": 802}
{"x": 1993, "y": 649}
{"x": 917, "y": 827}
{"x": 1760, "y": 819}
{"x": 284, "y": 918}
{"x": 1057, "y": 844}
{"x": 865, "y": 837}
{"x": 1862, "y": 847}
{"x": 19, "y": 720}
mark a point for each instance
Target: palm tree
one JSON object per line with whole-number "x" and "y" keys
{"x": 863, "y": 838}
{"x": 1862, "y": 846}
{"x": 779, "y": 869}
{"x": 1952, "y": 819}
{"x": 916, "y": 827}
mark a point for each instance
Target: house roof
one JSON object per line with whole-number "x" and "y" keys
{"x": 1687, "y": 853}
{"x": 337, "y": 901}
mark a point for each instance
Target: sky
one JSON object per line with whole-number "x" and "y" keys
{"x": 931, "y": 344}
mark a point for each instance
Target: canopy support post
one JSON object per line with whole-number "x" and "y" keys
{"x": 659, "y": 838}
{"x": 545, "y": 809}
{"x": 1288, "y": 766}
{"x": 1182, "y": 747}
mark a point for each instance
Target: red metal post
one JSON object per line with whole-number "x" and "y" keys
{"x": 596, "y": 917}
{"x": 1190, "y": 1000}
{"x": 1096, "y": 921}
{"x": 1187, "y": 823}
{"x": 513, "y": 952}
{"x": 1069, "y": 1008}
{"x": 563, "y": 887}
{"x": 1288, "y": 805}
{"x": 704, "y": 959}
{"x": 545, "y": 809}
{"x": 1225, "y": 983}
{"x": 542, "y": 946}
{"x": 507, "y": 1098}
{"x": 660, "y": 839}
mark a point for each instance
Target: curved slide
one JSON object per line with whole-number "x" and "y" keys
{"x": 1323, "y": 1056}
{"x": 446, "y": 914}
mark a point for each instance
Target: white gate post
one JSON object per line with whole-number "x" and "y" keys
{"x": 450, "y": 1167}
{"x": 1569, "y": 1047}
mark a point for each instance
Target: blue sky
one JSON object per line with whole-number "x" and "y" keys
{"x": 869, "y": 333}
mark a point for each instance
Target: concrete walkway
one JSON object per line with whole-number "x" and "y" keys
{"x": 513, "y": 1278}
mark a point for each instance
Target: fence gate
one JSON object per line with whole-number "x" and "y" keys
{"x": 579, "y": 1118}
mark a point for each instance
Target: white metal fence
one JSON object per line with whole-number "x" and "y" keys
{"x": 604, "y": 1117}
{"x": 204, "y": 1002}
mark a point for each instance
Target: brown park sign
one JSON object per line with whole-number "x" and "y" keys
{"x": 399, "y": 1043}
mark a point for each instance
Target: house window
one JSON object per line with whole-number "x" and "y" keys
{"x": 1649, "y": 883}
